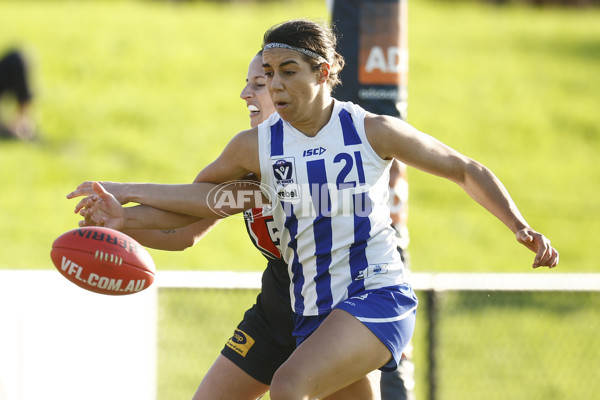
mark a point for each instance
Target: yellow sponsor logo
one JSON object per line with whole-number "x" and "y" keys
{"x": 240, "y": 342}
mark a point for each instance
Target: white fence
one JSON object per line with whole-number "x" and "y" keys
{"x": 541, "y": 280}
{"x": 59, "y": 341}
{"x": 432, "y": 287}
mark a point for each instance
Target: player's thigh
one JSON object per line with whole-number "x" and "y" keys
{"x": 225, "y": 380}
{"x": 340, "y": 352}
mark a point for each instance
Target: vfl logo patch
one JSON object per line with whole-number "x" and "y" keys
{"x": 284, "y": 171}
{"x": 240, "y": 342}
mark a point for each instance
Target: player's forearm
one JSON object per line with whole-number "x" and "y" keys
{"x": 146, "y": 217}
{"x": 190, "y": 199}
{"x": 485, "y": 188}
{"x": 173, "y": 239}
{"x": 206, "y": 200}
{"x": 167, "y": 239}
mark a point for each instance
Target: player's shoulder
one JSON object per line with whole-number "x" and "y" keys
{"x": 383, "y": 130}
{"x": 378, "y": 127}
{"x": 245, "y": 140}
{"x": 242, "y": 151}
{"x": 382, "y": 123}
{"x": 247, "y": 134}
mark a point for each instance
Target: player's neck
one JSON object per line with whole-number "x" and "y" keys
{"x": 316, "y": 116}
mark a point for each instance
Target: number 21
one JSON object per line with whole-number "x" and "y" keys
{"x": 349, "y": 162}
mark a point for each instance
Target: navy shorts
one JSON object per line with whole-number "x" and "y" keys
{"x": 388, "y": 312}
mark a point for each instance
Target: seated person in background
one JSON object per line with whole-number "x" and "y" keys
{"x": 14, "y": 81}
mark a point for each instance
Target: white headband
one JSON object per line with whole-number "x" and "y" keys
{"x": 306, "y": 52}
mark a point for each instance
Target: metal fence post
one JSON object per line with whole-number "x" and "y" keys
{"x": 432, "y": 330}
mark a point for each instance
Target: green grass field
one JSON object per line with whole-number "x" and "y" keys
{"x": 147, "y": 91}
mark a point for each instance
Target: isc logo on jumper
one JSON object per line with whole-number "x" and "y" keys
{"x": 313, "y": 152}
{"x": 240, "y": 342}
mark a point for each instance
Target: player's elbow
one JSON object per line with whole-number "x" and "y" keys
{"x": 177, "y": 243}
{"x": 465, "y": 170}
{"x": 185, "y": 243}
{"x": 475, "y": 177}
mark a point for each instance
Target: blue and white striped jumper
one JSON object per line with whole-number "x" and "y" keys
{"x": 332, "y": 209}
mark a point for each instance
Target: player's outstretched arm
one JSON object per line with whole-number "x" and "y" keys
{"x": 201, "y": 200}
{"x": 119, "y": 190}
{"x": 173, "y": 239}
{"x": 393, "y": 138}
{"x": 103, "y": 209}
{"x": 100, "y": 208}
{"x": 183, "y": 199}
{"x": 546, "y": 255}
{"x": 161, "y": 239}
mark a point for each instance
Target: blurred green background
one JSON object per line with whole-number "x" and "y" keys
{"x": 148, "y": 91}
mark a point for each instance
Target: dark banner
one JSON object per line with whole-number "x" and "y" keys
{"x": 372, "y": 37}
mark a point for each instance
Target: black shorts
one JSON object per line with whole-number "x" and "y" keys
{"x": 263, "y": 339}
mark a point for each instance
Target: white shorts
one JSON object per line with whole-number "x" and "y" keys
{"x": 388, "y": 312}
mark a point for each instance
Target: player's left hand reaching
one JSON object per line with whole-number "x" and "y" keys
{"x": 117, "y": 189}
{"x": 546, "y": 255}
{"x": 100, "y": 209}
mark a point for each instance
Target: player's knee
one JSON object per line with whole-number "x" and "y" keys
{"x": 286, "y": 386}
{"x": 282, "y": 389}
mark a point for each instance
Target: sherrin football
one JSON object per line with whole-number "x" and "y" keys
{"x": 103, "y": 260}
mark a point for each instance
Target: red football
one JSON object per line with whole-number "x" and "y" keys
{"x": 103, "y": 260}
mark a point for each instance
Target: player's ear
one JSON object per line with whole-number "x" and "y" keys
{"x": 324, "y": 70}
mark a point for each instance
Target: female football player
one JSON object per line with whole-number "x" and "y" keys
{"x": 328, "y": 164}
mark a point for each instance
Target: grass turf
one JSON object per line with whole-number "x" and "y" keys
{"x": 147, "y": 91}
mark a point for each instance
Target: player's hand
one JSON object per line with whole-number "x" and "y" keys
{"x": 546, "y": 255}
{"x": 115, "y": 188}
{"x": 100, "y": 209}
